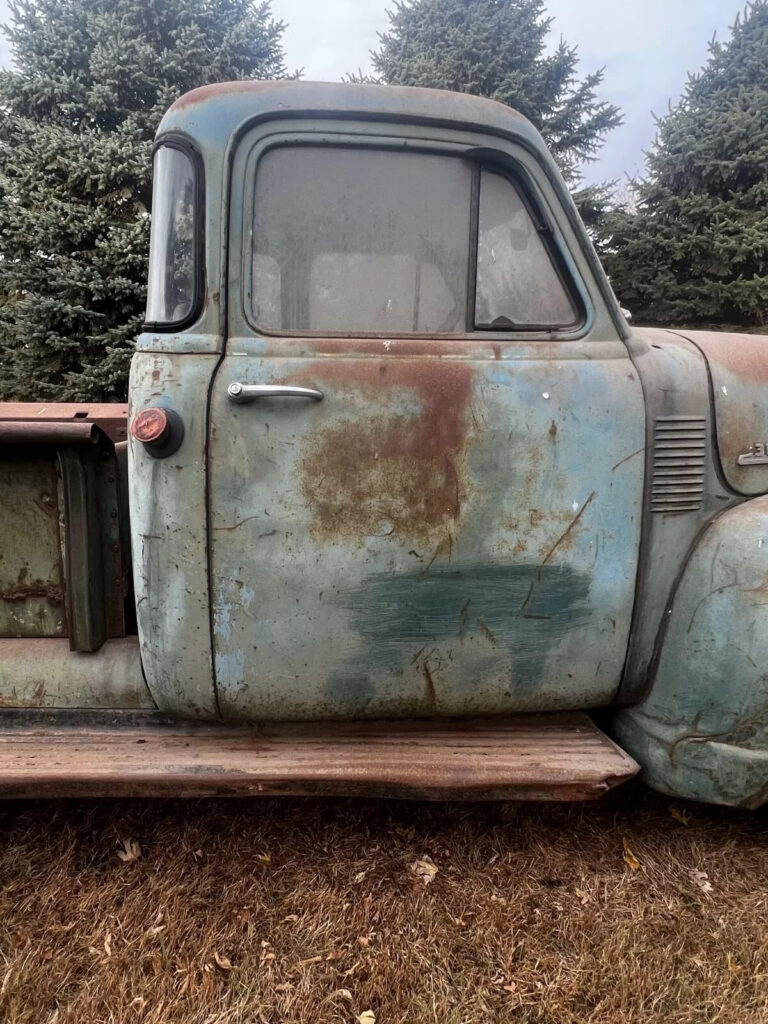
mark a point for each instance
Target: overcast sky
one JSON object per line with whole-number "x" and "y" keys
{"x": 646, "y": 46}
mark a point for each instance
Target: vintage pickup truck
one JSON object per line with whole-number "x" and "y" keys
{"x": 413, "y": 510}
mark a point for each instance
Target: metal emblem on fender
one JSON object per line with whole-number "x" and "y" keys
{"x": 756, "y": 456}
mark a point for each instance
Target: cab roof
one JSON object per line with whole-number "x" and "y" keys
{"x": 212, "y": 114}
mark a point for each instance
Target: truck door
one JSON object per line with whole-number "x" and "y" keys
{"x": 425, "y": 451}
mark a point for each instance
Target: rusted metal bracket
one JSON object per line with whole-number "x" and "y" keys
{"x": 50, "y": 432}
{"x": 85, "y": 599}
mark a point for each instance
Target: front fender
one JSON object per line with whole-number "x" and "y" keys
{"x": 702, "y": 730}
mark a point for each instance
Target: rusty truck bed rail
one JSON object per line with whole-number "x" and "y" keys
{"x": 62, "y": 422}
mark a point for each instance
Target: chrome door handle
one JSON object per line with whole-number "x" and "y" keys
{"x": 240, "y": 393}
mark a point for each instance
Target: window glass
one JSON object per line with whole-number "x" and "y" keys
{"x": 172, "y": 271}
{"x": 361, "y": 240}
{"x": 517, "y": 283}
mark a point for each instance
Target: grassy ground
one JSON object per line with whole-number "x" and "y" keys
{"x": 636, "y": 909}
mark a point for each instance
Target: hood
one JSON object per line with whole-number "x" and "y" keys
{"x": 738, "y": 367}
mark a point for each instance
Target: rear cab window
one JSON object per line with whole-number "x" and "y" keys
{"x": 379, "y": 241}
{"x": 173, "y": 292}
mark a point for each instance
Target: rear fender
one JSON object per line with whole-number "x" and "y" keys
{"x": 702, "y": 730}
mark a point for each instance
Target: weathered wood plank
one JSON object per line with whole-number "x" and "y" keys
{"x": 528, "y": 757}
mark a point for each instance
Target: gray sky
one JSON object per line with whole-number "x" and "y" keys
{"x": 646, "y": 46}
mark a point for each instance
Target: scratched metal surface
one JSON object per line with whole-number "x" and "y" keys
{"x": 168, "y": 528}
{"x": 738, "y": 364}
{"x": 44, "y": 673}
{"x": 673, "y": 373}
{"x": 445, "y": 536}
{"x": 702, "y": 731}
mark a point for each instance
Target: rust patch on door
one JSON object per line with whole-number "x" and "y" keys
{"x": 396, "y": 466}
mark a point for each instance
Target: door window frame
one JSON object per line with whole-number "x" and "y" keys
{"x": 496, "y": 161}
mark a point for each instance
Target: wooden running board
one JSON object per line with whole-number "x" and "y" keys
{"x": 526, "y": 757}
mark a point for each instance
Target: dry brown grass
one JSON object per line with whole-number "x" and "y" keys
{"x": 533, "y": 916}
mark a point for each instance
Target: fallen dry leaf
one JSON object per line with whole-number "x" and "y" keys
{"x": 108, "y": 943}
{"x": 284, "y": 986}
{"x": 367, "y": 1017}
{"x": 733, "y": 967}
{"x": 343, "y": 993}
{"x": 629, "y": 858}
{"x": 678, "y": 815}
{"x": 424, "y": 869}
{"x": 130, "y": 851}
{"x": 224, "y": 962}
{"x": 701, "y": 878}
{"x": 310, "y": 960}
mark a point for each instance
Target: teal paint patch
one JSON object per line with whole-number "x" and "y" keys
{"x": 520, "y": 610}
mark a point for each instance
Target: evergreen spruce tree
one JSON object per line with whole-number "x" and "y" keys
{"x": 696, "y": 250}
{"x": 78, "y": 112}
{"x": 497, "y": 48}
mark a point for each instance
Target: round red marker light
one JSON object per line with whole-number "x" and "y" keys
{"x": 149, "y": 425}
{"x": 161, "y": 431}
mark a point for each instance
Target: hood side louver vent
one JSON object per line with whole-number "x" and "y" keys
{"x": 679, "y": 454}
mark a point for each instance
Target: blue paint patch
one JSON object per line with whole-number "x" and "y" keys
{"x": 230, "y": 671}
{"x": 222, "y": 625}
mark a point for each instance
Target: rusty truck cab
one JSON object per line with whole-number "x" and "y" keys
{"x": 406, "y": 485}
